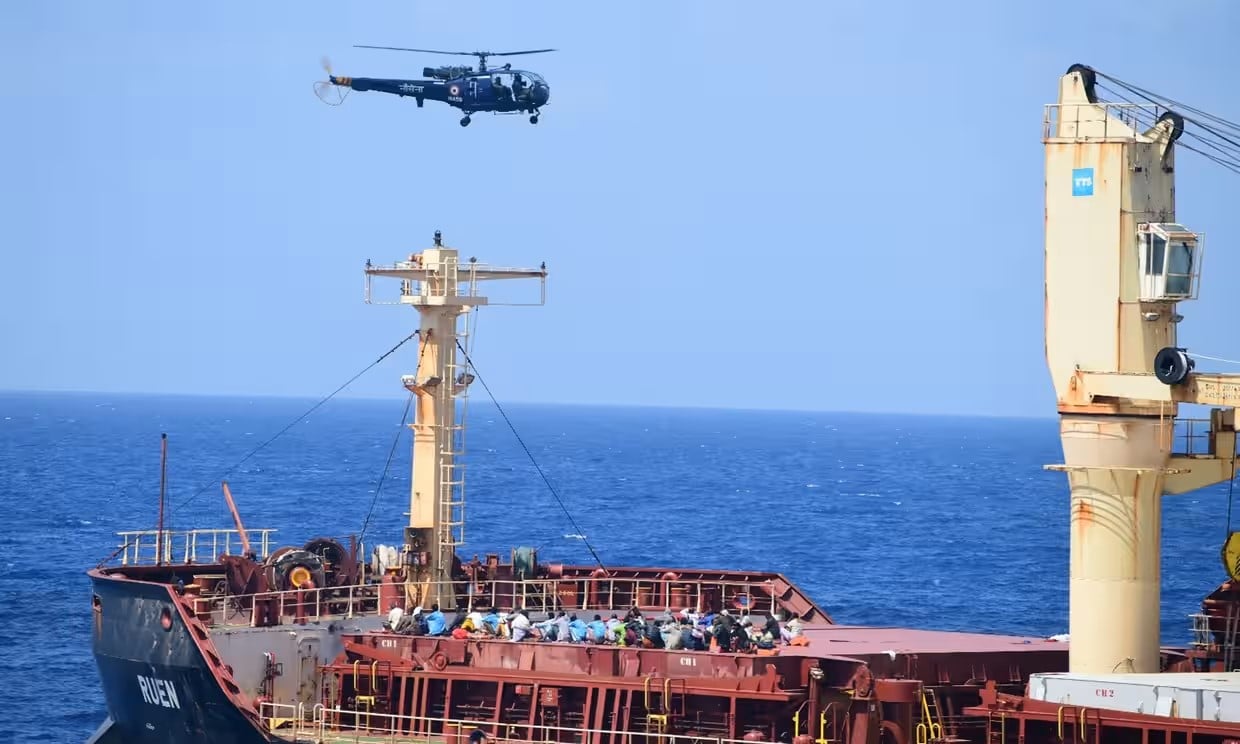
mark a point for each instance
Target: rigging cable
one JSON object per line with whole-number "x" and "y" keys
{"x": 1171, "y": 103}
{"x": 1231, "y": 484}
{"x": 291, "y": 424}
{"x": 297, "y": 420}
{"x": 1228, "y": 156}
{"x": 395, "y": 440}
{"x": 530, "y": 455}
{"x": 1230, "y": 151}
{"x": 379, "y": 488}
{"x": 1215, "y": 359}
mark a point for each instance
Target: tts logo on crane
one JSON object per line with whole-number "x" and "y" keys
{"x": 1082, "y": 181}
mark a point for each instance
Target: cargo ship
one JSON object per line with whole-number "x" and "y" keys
{"x": 217, "y": 635}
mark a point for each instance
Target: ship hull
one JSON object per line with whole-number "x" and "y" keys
{"x": 158, "y": 684}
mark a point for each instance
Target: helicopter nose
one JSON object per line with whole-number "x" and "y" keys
{"x": 541, "y": 94}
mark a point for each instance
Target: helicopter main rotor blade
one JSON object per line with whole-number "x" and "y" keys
{"x": 405, "y": 49}
{"x": 510, "y": 54}
{"x": 463, "y": 54}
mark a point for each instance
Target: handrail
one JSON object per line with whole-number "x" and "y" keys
{"x": 1193, "y": 435}
{"x": 929, "y": 730}
{"x": 569, "y": 593}
{"x": 393, "y": 725}
{"x": 822, "y": 722}
{"x": 141, "y": 547}
{"x": 1131, "y": 117}
{"x": 539, "y": 595}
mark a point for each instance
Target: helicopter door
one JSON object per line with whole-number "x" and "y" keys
{"x": 473, "y": 91}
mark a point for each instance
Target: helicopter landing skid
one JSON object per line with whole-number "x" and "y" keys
{"x": 466, "y": 119}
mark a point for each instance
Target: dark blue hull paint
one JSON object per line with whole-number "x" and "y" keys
{"x": 159, "y": 688}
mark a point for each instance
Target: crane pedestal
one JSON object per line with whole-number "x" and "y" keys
{"x": 1116, "y": 469}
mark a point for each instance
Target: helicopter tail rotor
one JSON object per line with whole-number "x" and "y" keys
{"x": 329, "y": 91}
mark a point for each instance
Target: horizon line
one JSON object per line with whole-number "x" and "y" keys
{"x": 570, "y": 404}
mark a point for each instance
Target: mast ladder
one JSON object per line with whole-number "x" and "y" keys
{"x": 451, "y": 474}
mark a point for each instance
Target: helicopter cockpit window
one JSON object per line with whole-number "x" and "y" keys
{"x": 533, "y": 78}
{"x": 521, "y": 82}
{"x": 502, "y": 83}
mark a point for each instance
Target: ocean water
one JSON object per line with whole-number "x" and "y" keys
{"x": 932, "y": 522}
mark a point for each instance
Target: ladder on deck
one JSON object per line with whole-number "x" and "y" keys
{"x": 930, "y": 730}
{"x": 666, "y": 696}
{"x": 369, "y": 690}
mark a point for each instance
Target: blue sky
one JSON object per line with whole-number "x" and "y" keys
{"x": 794, "y": 205}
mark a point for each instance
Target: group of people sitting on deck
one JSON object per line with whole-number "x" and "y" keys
{"x": 685, "y": 630}
{"x": 416, "y": 622}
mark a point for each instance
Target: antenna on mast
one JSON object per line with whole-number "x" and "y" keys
{"x": 441, "y": 288}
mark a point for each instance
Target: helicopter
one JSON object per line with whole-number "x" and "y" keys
{"x": 501, "y": 91}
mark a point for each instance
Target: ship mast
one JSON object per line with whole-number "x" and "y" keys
{"x": 1117, "y": 264}
{"x": 442, "y": 289}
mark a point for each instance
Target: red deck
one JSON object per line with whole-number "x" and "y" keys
{"x": 859, "y": 640}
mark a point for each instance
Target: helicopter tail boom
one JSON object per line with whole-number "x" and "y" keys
{"x": 393, "y": 86}
{"x": 420, "y": 89}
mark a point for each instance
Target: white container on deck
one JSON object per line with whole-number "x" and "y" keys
{"x": 1202, "y": 697}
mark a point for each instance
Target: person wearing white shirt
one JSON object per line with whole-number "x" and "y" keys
{"x": 519, "y": 622}
{"x": 394, "y": 616}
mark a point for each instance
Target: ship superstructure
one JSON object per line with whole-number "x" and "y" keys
{"x": 219, "y": 635}
{"x": 443, "y": 290}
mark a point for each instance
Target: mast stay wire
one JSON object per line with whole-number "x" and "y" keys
{"x": 297, "y": 420}
{"x": 530, "y": 455}
{"x": 313, "y": 408}
{"x": 391, "y": 453}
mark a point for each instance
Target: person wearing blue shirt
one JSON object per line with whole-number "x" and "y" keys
{"x": 577, "y": 628}
{"x": 435, "y": 623}
{"x": 598, "y": 628}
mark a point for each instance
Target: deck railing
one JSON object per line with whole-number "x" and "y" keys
{"x": 588, "y": 595}
{"x": 143, "y": 547}
{"x": 1100, "y": 121}
{"x": 293, "y": 606}
{"x": 1218, "y": 636}
{"x": 1192, "y": 437}
{"x": 300, "y": 723}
